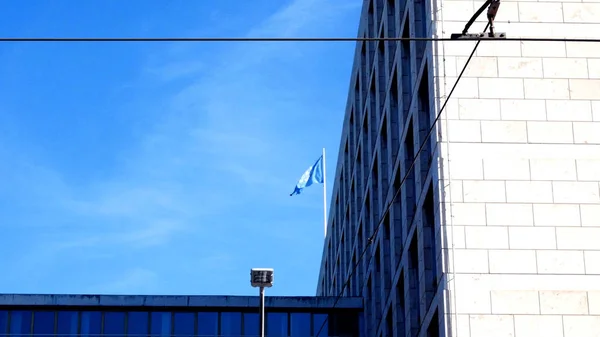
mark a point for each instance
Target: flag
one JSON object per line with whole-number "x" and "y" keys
{"x": 314, "y": 174}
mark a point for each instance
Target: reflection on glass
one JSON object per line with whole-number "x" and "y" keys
{"x": 66, "y": 323}
{"x": 277, "y": 324}
{"x": 114, "y": 323}
{"x": 43, "y": 322}
{"x": 20, "y": 323}
{"x": 184, "y": 323}
{"x": 91, "y": 323}
{"x": 231, "y": 323}
{"x": 3, "y": 322}
{"x": 137, "y": 323}
{"x": 300, "y": 324}
{"x": 320, "y": 320}
{"x": 160, "y": 324}
{"x": 251, "y": 321}
{"x": 208, "y": 324}
{"x": 361, "y": 325}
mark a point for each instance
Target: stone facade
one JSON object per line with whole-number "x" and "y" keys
{"x": 520, "y": 162}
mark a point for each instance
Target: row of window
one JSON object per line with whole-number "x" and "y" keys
{"x": 141, "y": 323}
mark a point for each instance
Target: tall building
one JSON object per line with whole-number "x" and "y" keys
{"x": 495, "y": 231}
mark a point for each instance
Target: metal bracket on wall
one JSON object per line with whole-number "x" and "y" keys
{"x": 477, "y": 36}
{"x": 493, "y": 6}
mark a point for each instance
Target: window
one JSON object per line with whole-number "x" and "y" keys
{"x": 137, "y": 323}
{"x": 208, "y": 323}
{"x": 160, "y": 324}
{"x": 251, "y": 321}
{"x": 91, "y": 323}
{"x": 276, "y": 324}
{"x": 20, "y": 322}
{"x": 114, "y": 323}
{"x": 184, "y": 323}
{"x": 414, "y": 292}
{"x": 3, "y": 322}
{"x": 43, "y": 323}
{"x": 429, "y": 246}
{"x": 320, "y": 323}
{"x": 66, "y": 323}
{"x": 434, "y": 326}
{"x": 389, "y": 322}
{"x": 300, "y": 324}
{"x": 400, "y": 306}
{"x": 231, "y": 323}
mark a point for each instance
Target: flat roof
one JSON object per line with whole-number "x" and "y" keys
{"x": 199, "y": 301}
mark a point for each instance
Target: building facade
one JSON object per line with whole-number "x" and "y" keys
{"x": 114, "y": 316}
{"x": 495, "y": 230}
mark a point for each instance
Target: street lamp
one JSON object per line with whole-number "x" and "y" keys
{"x": 261, "y": 278}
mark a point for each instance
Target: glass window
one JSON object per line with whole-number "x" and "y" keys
{"x": 160, "y": 324}
{"x": 320, "y": 320}
{"x": 231, "y": 323}
{"x": 20, "y": 323}
{"x": 300, "y": 324}
{"x": 208, "y": 324}
{"x": 137, "y": 323}
{"x": 66, "y": 323}
{"x": 277, "y": 324}
{"x": 3, "y": 322}
{"x": 184, "y": 323}
{"x": 43, "y": 322}
{"x": 91, "y": 323}
{"x": 114, "y": 323}
{"x": 251, "y": 321}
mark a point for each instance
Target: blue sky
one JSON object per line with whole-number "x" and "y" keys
{"x": 166, "y": 168}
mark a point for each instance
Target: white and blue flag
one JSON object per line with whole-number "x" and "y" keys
{"x": 314, "y": 174}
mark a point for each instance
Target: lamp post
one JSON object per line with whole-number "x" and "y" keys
{"x": 261, "y": 278}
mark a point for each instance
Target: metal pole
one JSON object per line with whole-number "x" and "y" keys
{"x": 262, "y": 312}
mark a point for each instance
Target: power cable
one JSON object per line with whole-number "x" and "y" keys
{"x": 371, "y": 238}
{"x": 283, "y": 39}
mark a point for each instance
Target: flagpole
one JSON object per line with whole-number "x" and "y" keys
{"x": 324, "y": 195}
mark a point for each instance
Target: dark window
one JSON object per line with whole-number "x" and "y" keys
{"x": 184, "y": 323}
{"x": 405, "y": 56}
{"x": 409, "y": 182}
{"x": 430, "y": 246}
{"x": 160, "y": 324}
{"x": 420, "y": 15}
{"x": 3, "y": 322}
{"x": 43, "y": 323}
{"x": 251, "y": 321}
{"x": 137, "y": 323}
{"x": 277, "y": 324}
{"x": 389, "y": 322}
{"x": 434, "y": 326}
{"x": 397, "y": 217}
{"x": 300, "y": 324}
{"x": 400, "y": 306}
{"x": 413, "y": 285}
{"x": 208, "y": 324}
{"x": 91, "y": 323}
{"x": 20, "y": 323}
{"x": 67, "y": 322}
{"x": 114, "y": 323}
{"x": 320, "y": 323}
{"x": 231, "y": 323}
